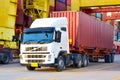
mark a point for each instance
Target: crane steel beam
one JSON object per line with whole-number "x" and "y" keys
{"x": 115, "y": 9}
{"x": 77, "y": 4}
{"x": 92, "y": 3}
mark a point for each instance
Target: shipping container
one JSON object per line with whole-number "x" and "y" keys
{"x": 59, "y": 6}
{"x": 20, "y": 14}
{"x": 68, "y": 2}
{"x": 87, "y": 31}
{"x": 52, "y": 8}
{"x": 63, "y": 1}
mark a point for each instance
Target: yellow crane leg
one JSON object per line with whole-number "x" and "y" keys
{"x": 75, "y": 5}
{"x": 46, "y": 8}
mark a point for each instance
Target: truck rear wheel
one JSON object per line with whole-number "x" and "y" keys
{"x": 90, "y": 58}
{"x": 5, "y": 59}
{"x": 61, "y": 64}
{"x": 108, "y": 58}
{"x": 30, "y": 68}
{"x": 112, "y": 57}
{"x": 84, "y": 60}
{"x": 78, "y": 61}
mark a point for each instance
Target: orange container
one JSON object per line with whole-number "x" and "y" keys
{"x": 86, "y": 30}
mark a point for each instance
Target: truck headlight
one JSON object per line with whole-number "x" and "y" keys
{"x": 43, "y": 49}
{"x": 20, "y": 56}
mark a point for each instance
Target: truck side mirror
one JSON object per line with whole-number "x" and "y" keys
{"x": 57, "y": 36}
{"x": 15, "y": 38}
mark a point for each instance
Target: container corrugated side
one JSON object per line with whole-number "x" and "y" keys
{"x": 94, "y": 33}
{"x": 86, "y": 30}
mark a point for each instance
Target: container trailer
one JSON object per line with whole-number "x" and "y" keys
{"x": 68, "y": 38}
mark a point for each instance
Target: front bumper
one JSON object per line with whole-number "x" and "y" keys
{"x": 40, "y": 65}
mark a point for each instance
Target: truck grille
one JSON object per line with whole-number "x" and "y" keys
{"x": 36, "y": 53}
{"x": 35, "y": 61}
{"x": 36, "y": 48}
{"x": 36, "y": 56}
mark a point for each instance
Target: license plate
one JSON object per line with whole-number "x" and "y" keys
{"x": 34, "y": 64}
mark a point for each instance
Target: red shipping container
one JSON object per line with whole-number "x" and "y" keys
{"x": 59, "y": 6}
{"x": 20, "y": 14}
{"x": 68, "y": 2}
{"x": 52, "y": 8}
{"x": 86, "y": 30}
{"x": 63, "y": 1}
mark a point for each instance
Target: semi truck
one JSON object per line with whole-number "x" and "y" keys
{"x": 67, "y": 38}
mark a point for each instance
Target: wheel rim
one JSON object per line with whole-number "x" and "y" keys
{"x": 79, "y": 63}
{"x": 85, "y": 63}
{"x": 61, "y": 64}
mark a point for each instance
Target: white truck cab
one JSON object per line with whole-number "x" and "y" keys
{"x": 44, "y": 42}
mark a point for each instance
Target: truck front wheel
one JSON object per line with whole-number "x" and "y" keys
{"x": 30, "y": 68}
{"x": 112, "y": 57}
{"x": 61, "y": 64}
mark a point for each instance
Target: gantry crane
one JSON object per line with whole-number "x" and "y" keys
{"x": 36, "y": 8}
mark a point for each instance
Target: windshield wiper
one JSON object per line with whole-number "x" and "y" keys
{"x": 29, "y": 41}
{"x": 44, "y": 41}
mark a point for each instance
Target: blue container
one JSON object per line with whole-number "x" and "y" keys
{"x": 98, "y": 15}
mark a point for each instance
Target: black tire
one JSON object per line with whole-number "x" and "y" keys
{"x": 78, "y": 62}
{"x": 30, "y": 68}
{"x": 112, "y": 57}
{"x": 108, "y": 58}
{"x": 61, "y": 64}
{"x": 5, "y": 59}
{"x": 84, "y": 60}
{"x": 90, "y": 58}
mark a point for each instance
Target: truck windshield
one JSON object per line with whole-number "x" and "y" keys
{"x": 38, "y": 35}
